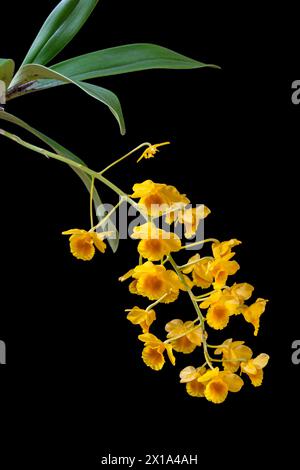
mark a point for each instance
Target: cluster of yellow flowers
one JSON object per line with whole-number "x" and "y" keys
{"x": 153, "y": 280}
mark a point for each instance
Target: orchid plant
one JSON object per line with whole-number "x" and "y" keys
{"x": 157, "y": 276}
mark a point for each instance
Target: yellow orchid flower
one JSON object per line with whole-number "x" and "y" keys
{"x": 151, "y": 150}
{"x": 155, "y": 282}
{"x": 254, "y": 368}
{"x": 189, "y": 376}
{"x": 223, "y": 249}
{"x": 155, "y": 243}
{"x": 157, "y": 197}
{"x": 132, "y": 285}
{"x": 190, "y": 339}
{"x": 189, "y": 218}
{"x": 253, "y": 313}
{"x": 144, "y": 318}
{"x": 220, "y": 307}
{"x": 221, "y": 268}
{"x": 219, "y": 383}
{"x": 233, "y": 353}
{"x": 241, "y": 291}
{"x": 202, "y": 277}
{"x": 83, "y": 243}
{"x": 153, "y": 352}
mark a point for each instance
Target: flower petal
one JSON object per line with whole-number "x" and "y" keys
{"x": 188, "y": 374}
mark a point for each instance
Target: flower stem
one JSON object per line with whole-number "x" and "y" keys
{"x": 173, "y": 338}
{"x": 214, "y": 240}
{"x": 196, "y": 307}
{"x": 125, "y": 156}
{"x": 91, "y": 201}
{"x": 68, "y": 161}
{"x": 181, "y": 277}
{"x": 191, "y": 263}
{"x": 228, "y": 360}
{"x": 48, "y": 154}
{"x": 102, "y": 221}
{"x": 156, "y": 302}
{"x": 202, "y": 296}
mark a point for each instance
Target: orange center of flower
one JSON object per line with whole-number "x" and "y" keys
{"x": 83, "y": 243}
{"x": 153, "y": 283}
{"x": 220, "y": 312}
{"x": 153, "y": 199}
{"x": 221, "y": 276}
{"x": 153, "y": 245}
{"x": 218, "y": 387}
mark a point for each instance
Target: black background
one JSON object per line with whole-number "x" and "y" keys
{"x": 74, "y": 387}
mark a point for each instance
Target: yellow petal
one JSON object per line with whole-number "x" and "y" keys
{"x": 170, "y": 353}
{"x": 74, "y": 231}
{"x": 151, "y": 317}
{"x": 213, "y": 298}
{"x": 171, "y": 297}
{"x": 243, "y": 290}
{"x": 209, "y": 375}
{"x": 98, "y": 242}
{"x": 232, "y": 267}
{"x": 137, "y": 315}
{"x": 171, "y": 325}
{"x": 189, "y": 269}
{"x": 261, "y": 360}
{"x": 188, "y": 374}
{"x": 253, "y": 313}
{"x": 183, "y": 345}
{"x": 233, "y": 381}
{"x": 224, "y": 248}
{"x": 143, "y": 189}
{"x": 195, "y": 336}
{"x": 151, "y": 340}
{"x": 224, "y": 346}
{"x": 248, "y": 367}
{"x": 132, "y": 287}
{"x": 257, "y": 378}
{"x": 145, "y": 231}
{"x": 188, "y": 283}
{"x": 220, "y": 279}
{"x": 243, "y": 352}
{"x": 126, "y": 275}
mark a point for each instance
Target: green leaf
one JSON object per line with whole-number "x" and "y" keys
{"x": 29, "y": 73}
{"x": 7, "y": 67}
{"x": 107, "y": 97}
{"x": 2, "y": 94}
{"x": 60, "y": 27}
{"x": 65, "y": 152}
{"x": 124, "y": 59}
